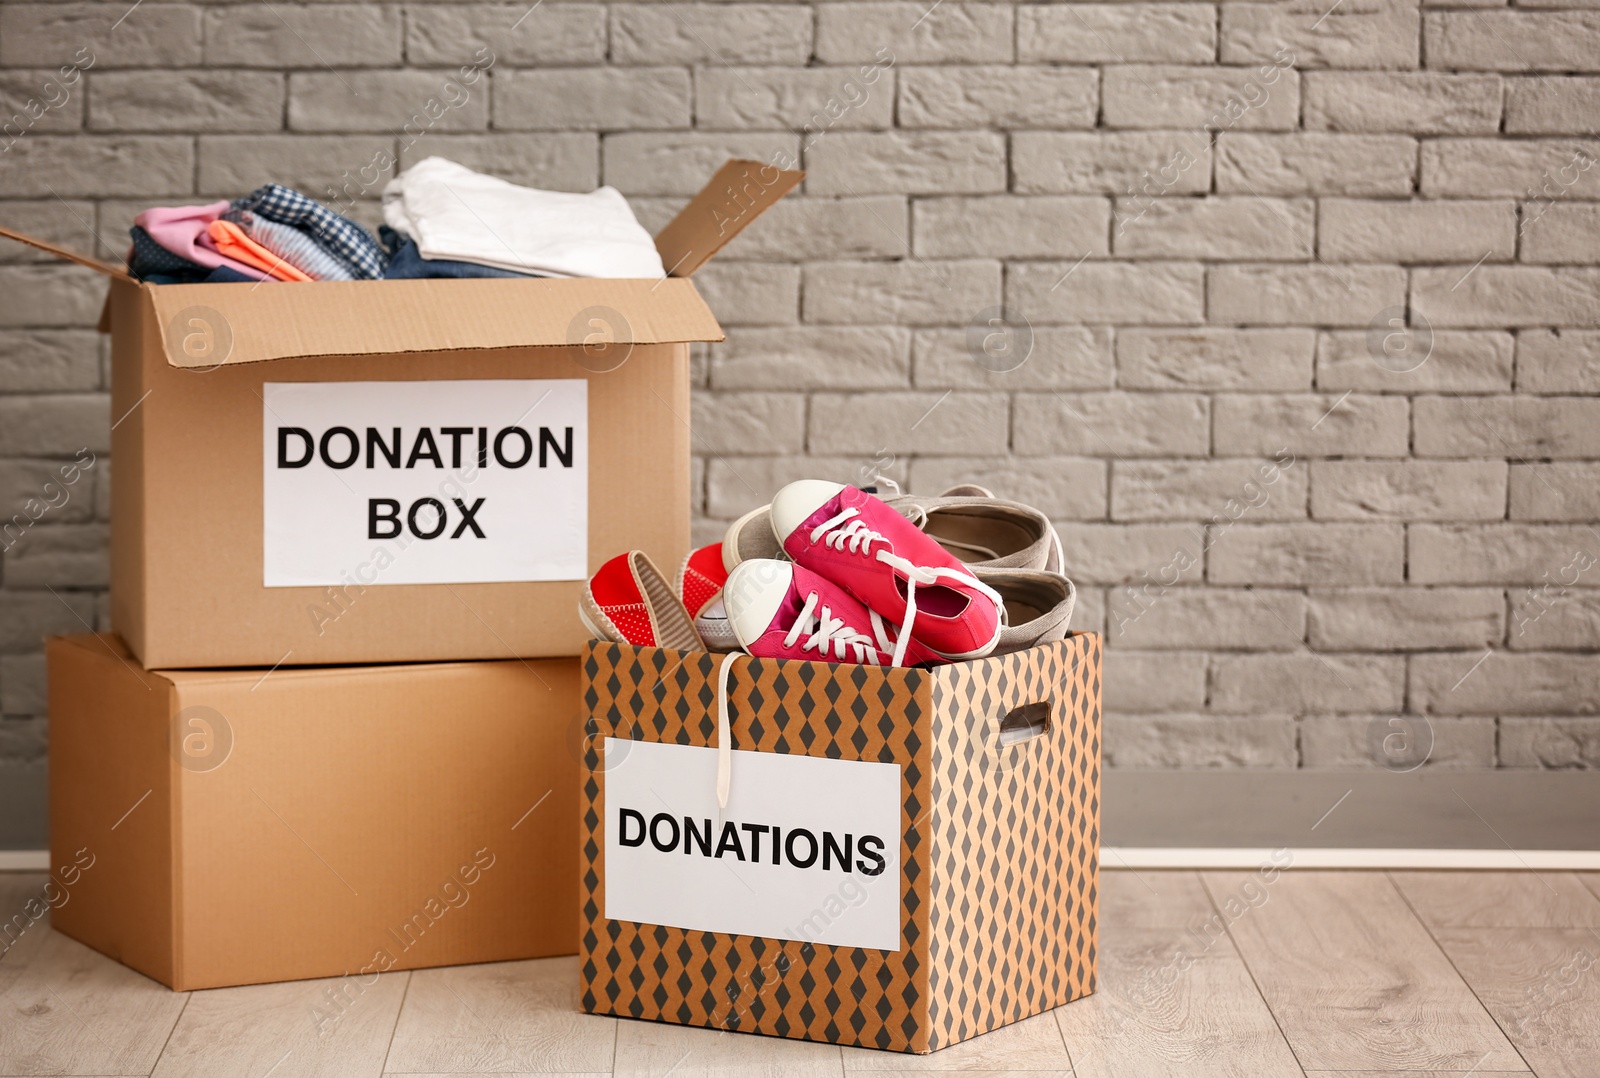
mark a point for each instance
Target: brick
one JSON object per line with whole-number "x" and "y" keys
{"x": 812, "y": 357}
{"x": 408, "y": 103}
{"x": 807, "y": 229}
{"x": 333, "y": 168}
{"x": 1308, "y": 681}
{"x": 910, "y": 34}
{"x": 905, "y": 293}
{"x": 59, "y": 556}
{"x": 1556, "y": 617}
{"x": 1111, "y": 424}
{"x": 1244, "y": 359}
{"x": 1199, "y": 741}
{"x": 710, "y": 33}
{"x": 1135, "y": 554}
{"x": 69, "y": 223}
{"x": 27, "y": 617}
{"x": 1152, "y": 293}
{"x": 816, "y": 99}
{"x": 1154, "y": 96}
{"x": 1501, "y": 553}
{"x": 1005, "y": 226}
{"x": 680, "y": 163}
{"x": 736, "y": 485}
{"x": 39, "y": 102}
{"x": 1553, "y": 106}
{"x": 1408, "y": 490}
{"x": 1145, "y": 681}
{"x": 1508, "y": 295}
{"x": 1559, "y": 491}
{"x": 50, "y": 295}
{"x": 1062, "y": 357}
{"x": 163, "y": 35}
{"x": 972, "y": 423}
{"x": 1401, "y": 102}
{"x": 1315, "y": 163}
{"x": 1558, "y": 361}
{"x": 1088, "y": 613}
{"x": 907, "y": 163}
{"x": 1513, "y": 41}
{"x": 1144, "y": 163}
{"x": 1307, "y": 554}
{"x": 1561, "y": 232}
{"x": 594, "y": 98}
{"x": 1356, "y": 33}
{"x": 454, "y": 35}
{"x": 1215, "y": 228}
{"x": 1310, "y": 425}
{"x": 550, "y": 161}
{"x": 22, "y": 685}
{"x": 1417, "y": 231}
{"x": 1516, "y": 168}
{"x": 1454, "y": 683}
{"x": 186, "y": 101}
{"x": 1287, "y": 295}
{"x": 1550, "y": 743}
{"x": 1399, "y": 743}
{"x": 1116, "y": 33}
{"x": 752, "y": 293}
{"x": 1405, "y": 619}
{"x": 1196, "y": 489}
{"x": 321, "y": 36}
{"x": 1218, "y": 619}
{"x": 1063, "y": 488}
{"x": 748, "y": 422}
{"x": 48, "y": 360}
{"x": 66, "y": 166}
{"x": 1458, "y": 361}
{"x": 1003, "y": 97}
{"x": 39, "y": 490}
{"x": 57, "y": 424}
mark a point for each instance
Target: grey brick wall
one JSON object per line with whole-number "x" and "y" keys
{"x": 1306, "y": 549}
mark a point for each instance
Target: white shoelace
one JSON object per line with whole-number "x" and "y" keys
{"x": 846, "y": 531}
{"x": 822, "y": 630}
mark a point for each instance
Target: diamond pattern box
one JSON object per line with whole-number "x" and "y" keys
{"x": 997, "y": 808}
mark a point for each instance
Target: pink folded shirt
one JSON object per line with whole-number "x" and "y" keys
{"x": 182, "y": 230}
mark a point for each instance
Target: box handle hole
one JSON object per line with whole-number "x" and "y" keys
{"x": 1025, "y": 723}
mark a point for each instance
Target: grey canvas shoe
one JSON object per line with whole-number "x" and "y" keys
{"x": 1038, "y": 605}
{"x": 986, "y": 531}
{"x": 749, "y": 537}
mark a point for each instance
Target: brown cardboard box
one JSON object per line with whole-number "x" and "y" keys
{"x": 937, "y": 871}
{"x": 233, "y": 827}
{"x": 227, "y": 551}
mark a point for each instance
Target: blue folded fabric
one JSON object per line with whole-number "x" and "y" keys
{"x": 220, "y": 275}
{"x": 154, "y": 263}
{"x": 338, "y": 236}
{"x": 405, "y": 263}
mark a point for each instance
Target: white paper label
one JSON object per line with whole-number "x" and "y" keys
{"x": 459, "y": 482}
{"x": 673, "y": 858}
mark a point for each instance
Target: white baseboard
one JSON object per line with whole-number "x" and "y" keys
{"x": 24, "y": 860}
{"x": 1221, "y": 857}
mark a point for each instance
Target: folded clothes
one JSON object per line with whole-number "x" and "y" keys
{"x": 405, "y": 263}
{"x": 456, "y": 214}
{"x": 231, "y": 241}
{"x": 220, "y": 275}
{"x": 182, "y": 231}
{"x": 291, "y": 245}
{"x": 338, "y": 236}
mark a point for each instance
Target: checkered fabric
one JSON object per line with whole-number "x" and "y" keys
{"x": 999, "y": 845}
{"x": 339, "y": 236}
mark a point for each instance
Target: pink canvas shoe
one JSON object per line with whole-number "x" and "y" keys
{"x": 857, "y": 541}
{"x": 779, "y": 610}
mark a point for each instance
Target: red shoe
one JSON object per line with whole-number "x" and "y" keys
{"x": 857, "y": 541}
{"x": 700, "y": 580}
{"x": 629, "y": 602}
{"x": 779, "y": 610}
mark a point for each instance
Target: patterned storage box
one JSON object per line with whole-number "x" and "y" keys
{"x": 790, "y": 912}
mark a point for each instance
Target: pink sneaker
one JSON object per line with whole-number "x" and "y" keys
{"x": 855, "y": 540}
{"x": 779, "y": 610}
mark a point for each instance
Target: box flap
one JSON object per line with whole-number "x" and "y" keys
{"x": 740, "y": 192}
{"x": 248, "y": 323}
{"x": 67, "y": 256}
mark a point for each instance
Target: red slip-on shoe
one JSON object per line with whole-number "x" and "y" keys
{"x": 862, "y": 544}
{"x": 629, "y": 602}
{"x": 779, "y": 610}
{"x": 700, "y": 580}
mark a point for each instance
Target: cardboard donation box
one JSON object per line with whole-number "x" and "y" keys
{"x": 406, "y": 470}
{"x": 906, "y": 858}
{"x": 236, "y": 827}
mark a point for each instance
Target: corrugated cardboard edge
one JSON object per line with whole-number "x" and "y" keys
{"x": 740, "y": 192}
{"x": 63, "y": 253}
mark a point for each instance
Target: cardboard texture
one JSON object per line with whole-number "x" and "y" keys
{"x": 245, "y": 826}
{"x": 998, "y": 859}
{"x": 189, "y": 363}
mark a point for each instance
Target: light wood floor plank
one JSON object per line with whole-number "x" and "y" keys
{"x": 1151, "y": 899}
{"x": 1034, "y": 1044}
{"x": 1591, "y": 880}
{"x": 505, "y": 1016}
{"x": 1172, "y": 1003}
{"x": 1543, "y": 987}
{"x": 1353, "y": 978}
{"x": 334, "y": 1026}
{"x": 1499, "y": 899}
{"x": 1418, "y": 1074}
{"x": 22, "y": 931}
{"x": 651, "y": 1049}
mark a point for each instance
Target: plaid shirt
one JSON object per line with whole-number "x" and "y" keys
{"x": 339, "y": 236}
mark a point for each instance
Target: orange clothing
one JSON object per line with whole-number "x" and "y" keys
{"x": 232, "y": 242}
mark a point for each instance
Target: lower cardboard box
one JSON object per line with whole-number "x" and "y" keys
{"x": 229, "y": 827}
{"x": 895, "y": 858}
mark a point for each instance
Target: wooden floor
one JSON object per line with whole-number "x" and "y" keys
{"x": 1349, "y": 974}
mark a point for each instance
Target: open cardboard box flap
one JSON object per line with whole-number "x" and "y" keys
{"x": 345, "y": 318}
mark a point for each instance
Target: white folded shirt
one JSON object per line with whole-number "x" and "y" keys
{"x": 455, "y": 213}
